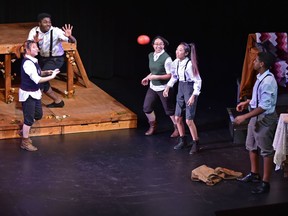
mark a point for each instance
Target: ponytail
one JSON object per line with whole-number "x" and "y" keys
{"x": 194, "y": 61}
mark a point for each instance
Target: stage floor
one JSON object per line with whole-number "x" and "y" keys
{"x": 125, "y": 173}
{"x": 90, "y": 109}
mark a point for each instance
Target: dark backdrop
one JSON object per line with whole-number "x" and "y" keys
{"x": 107, "y": 33}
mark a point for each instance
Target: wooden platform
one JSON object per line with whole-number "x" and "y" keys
{"x": 89, "y": 109}
{"x": 12, "y": 37}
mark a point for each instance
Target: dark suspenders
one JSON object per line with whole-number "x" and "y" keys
{"x": 184, "y": 70}
{"x": 51, "y": 43}
{"x": 257, "y": 101}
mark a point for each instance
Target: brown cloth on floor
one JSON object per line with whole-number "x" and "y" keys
{"x": 227, "y": 173}
{"x": 212, "y": 176}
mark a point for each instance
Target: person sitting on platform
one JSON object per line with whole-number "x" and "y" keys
{"x": 51, "y": 56}
{"x": 262, "y": 123}
{"x": 29, "y": 91}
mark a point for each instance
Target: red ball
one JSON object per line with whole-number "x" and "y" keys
{"x": 143, "y": 39}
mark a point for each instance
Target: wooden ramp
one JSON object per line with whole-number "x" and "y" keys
{"x": 89, "y": 109}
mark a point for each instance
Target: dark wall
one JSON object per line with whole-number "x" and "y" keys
{"x": 107, "y": 34}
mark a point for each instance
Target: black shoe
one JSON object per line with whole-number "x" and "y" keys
{"x": 264, "y": 187}
{"x": 251, "y": 177}
{"x": 182, "y": 143}
{"x": 56, "y": 105}
{"x": 194, "y": 148}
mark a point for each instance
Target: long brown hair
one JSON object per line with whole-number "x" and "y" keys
{"x": 190, "y": 48}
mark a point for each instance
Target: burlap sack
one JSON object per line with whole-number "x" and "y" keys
{"x": 205, "y": 174}
{"x": 212, "y": 176}
{"x": 227, "y": 173}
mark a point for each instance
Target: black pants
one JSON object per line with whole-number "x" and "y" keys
{"x": 50, "y": 63}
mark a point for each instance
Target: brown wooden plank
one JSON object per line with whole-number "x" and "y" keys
{"x": 70, "y": 77}
{"x": 14, "y": 34}
{"x": 7, "y": 69}
{"x": 81, "y": 69}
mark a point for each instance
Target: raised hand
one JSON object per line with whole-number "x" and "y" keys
{"x": 67, "y": 28}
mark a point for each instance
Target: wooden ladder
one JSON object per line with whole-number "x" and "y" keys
{"x": 74, "y": 67}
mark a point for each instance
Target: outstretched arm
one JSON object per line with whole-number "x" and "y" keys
{"x": 51, "y": 76}
{"x": 67, "y": 28}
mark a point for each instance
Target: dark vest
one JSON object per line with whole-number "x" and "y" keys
{"x": 26, "y": 83}
{"x": 157, "y": 67}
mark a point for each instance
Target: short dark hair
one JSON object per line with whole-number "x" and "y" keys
{"x": 166, "y": 43}
{"x": 27, "y": 45}
{"x": 41, "y": 16}
{"x": 268, "y": 59}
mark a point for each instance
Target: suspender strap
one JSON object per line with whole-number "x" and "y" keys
{"x": 37, "y": 33}
{"x": 257, "y": 101}
{"x": 51, "y": 43}
{"x": 184, "y": 69}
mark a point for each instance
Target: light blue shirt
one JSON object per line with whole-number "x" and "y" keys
{"x": 265, "y": 90}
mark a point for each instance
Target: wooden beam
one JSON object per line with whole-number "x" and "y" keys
{"x": 81, "y": 69}
{"x": 7, "y": 77}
